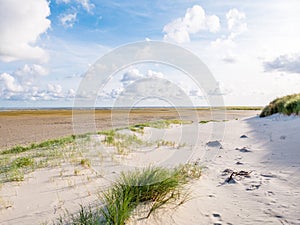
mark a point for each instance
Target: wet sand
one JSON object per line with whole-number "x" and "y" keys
{"x": 24, "y": 127}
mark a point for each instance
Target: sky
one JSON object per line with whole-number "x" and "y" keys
{"x": 252, "y": 48}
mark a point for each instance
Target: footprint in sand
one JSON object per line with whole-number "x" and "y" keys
{"x": 254, "y": 185}
{"x": 283, "y": 137}
{"x": 243, "y": 136}
{"x": 269, "y": 193}
{"x": 244, "y": 149}
{"x": 268, "y": 175}
{"x": 216, "y": 219}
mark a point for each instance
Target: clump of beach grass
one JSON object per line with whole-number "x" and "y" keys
{"x": 85, "y": 216}
{"x": 152, "y": 186}
{"x": 15, "y": 169}
{"x": 122, "y": 142}
{"x": 85, "y": 163}
{"x": 287, "y": 105}
{"x": 156, "y": 186}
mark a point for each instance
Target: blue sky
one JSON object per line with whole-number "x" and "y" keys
{"x": 251, "y": 47}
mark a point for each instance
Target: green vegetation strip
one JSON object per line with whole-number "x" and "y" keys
{"x": 207, "y": 121}
{"x": 19, "y": 160}
{"x": 243, "y": 107}
{"x": 287, "y": 105}
{"x": 154, "y": 186}
{"x": 48, "y": 143}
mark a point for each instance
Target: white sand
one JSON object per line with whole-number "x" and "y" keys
{"x": 271, "y": 195}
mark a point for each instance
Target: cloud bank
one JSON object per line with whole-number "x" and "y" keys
{"x": 24, "y": 85}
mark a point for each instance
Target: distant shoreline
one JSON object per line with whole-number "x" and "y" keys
{"x": 12, "y": 109}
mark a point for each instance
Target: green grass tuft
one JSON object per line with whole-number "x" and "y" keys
{"x": 14, "y": 170}
{"x": 287, "y": 105}
{"x": 153, "y": 186}
{"x": 85, "y": 216}
{"x": 22, "y": 162}
{"x": 85, "y": 163}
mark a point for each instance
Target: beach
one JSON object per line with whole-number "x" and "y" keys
{"x": 23, "y": 127}
{"x": 149, "y": 113}
{"x": 261, "y": 155}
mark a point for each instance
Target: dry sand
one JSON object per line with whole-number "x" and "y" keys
{"x": 270, "y": 195}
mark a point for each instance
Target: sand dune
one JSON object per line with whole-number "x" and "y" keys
{"x": 270, "y": 195}
{"x": 267, "y": 148}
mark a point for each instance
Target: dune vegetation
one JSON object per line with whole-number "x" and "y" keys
{"x": 287, "y": 105}
{"x": 153, "y": 187}
{"x": 20, "y": 160}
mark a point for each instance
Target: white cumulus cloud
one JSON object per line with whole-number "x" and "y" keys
{"x": 9, "y": 83}
{"x": 68, "y": 20}
{"x": 225, "y": 45}
{"x": 194, "y": 21}
{"x": 236, "y": 21}
{"x": 28, "y": 74}
{"x": 86, "y": 5}
{"x": 153, "y": 74}
{"x": 131, "y": 76}
{"x": 21, "y": 24}
{"x": 33, "y": 70}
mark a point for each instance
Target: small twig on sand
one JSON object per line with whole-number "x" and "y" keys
{"x": 240, "y": 173}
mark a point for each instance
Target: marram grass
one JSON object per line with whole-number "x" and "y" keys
{"x": 155, "y": 186}
{"x": 53, "y": 152}
{"x": 287, "y": 105}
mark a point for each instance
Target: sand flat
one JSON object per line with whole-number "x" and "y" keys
{"x": 24, "y": 127}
